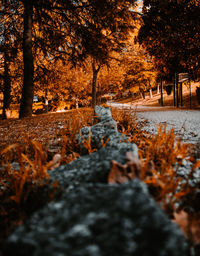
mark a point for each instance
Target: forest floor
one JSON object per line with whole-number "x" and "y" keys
{"x": 39, "y": 138}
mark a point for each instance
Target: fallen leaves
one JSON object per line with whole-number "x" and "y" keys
{"x": 55, "y": 162}
{"x": 28, "y": 149}
{"x": 189, "y": 223}
{"x": 120, "y": 173}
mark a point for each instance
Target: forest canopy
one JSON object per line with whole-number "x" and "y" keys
{"x": 77, "y": 50}
{"x": 170, "y": 33}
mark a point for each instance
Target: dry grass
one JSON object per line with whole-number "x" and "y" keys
{"x": 32, "y": 146}
{"x": 29, "y": 149}
{"x": 161, "y": 156}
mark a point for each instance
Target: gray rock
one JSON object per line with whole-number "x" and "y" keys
{"x": 103, "y": 114}
{"x": 93, "y": 168}
{"x": 99, "y": 220}
{"x": 105, "y": 131}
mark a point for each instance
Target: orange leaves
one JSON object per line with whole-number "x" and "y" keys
{"x": 189, "y": 224}
{"x": 19, "y": 180}
{"x": 120, "y": 173}
{"x": 196, "y": 165}
{"x": 29, "y": 170}
{"x": 9, "y": 148}
{"x": 87, "y": 143}
{"x": 181, "y": 219}
{"x": 55, "y": 162}
{"x": 25, "y": 161}
{"x": 164, "y": 155}
{"x": 104, "y": 143}
{"x": 161, "y": 156}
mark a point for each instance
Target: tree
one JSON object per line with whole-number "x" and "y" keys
{"x": 170, "y": 33}
{"x": 28, "y": 89}
{"x": 140, "y": 73}
{"x": 111, "y": 77}
{"x": 65, "y": 83}
{"x": 9, "y": 44}
{"x": 76, "y": 28}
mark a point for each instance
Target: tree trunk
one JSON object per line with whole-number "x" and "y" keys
{"x": 28, "y": 89}
{"x": 174, "y": 90}
{"x": 94, "y": 84}
{"x": 46, "y": 102}
{"x": 7, "y": 85}
{"x": 177, "y": 92}
{"x": 158, "y": 88}
{"x": 150, "y": 93}
{"x": 142, "y": 94}
{"x": 181, "y": 94}
{"x": 161, "y": 92}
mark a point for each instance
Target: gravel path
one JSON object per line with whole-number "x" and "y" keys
{"x": 186, "y": 123}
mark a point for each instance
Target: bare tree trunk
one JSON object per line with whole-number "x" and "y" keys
{"x": 94, "y": 83}
{"x": 28, "y": 89}
{"x": 142, "y": 93}
{"x": 174, "y": 90}
{"x": 46, "y": 102}
{"x": 161, "y": 92}
{"x": 150, "y": 93}
{"x": 158, "y": 89}
{"x": 7, "y": 85}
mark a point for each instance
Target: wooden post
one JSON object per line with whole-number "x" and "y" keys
{"x": 181, "y": 93}
{"x": 177, "y": 94}
{"x": 190, "y": 94}
{"x": 174, "y": 90}
{"x": 161, "y": 91}
{"x": 158, "y": 89}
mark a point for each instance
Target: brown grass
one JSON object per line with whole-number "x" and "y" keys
{"x": 29, "y": 149}
{"x": 32, "y": 146}
{"x": 161, "y": 155}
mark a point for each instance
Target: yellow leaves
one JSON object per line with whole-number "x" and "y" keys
{"x": 164, "y": 150}
{"x": 181, "y": 193}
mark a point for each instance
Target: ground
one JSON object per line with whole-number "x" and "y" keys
{"x": 184, "y": 120}
{"x": 52, "y": 129}
{"x": 167, "y": 99}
